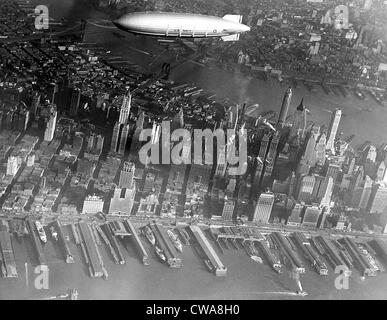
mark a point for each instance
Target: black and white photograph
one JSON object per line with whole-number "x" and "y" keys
{"x": 184, "y": 151}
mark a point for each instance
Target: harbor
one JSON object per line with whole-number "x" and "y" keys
{"x": 281, "y": 253}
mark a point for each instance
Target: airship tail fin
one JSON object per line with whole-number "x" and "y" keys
{"x": 233, "y": 37}
{"x": 233, "y": 17}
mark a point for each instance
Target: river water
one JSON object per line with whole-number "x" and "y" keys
{"x": 245, "y": 278}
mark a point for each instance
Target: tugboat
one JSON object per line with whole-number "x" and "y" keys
{"x": 175, "y": 240}
{"x": 160, "y": 254}
{"x": 54, "y": 234}
{"x": 149, "y": 235}
{"x": 41, "y": 232}
{"x": 250, "y": 249}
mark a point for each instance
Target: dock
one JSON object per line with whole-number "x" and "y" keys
{"x": 220, "y": 269}
{"x": 137, "y": 242}
{"x": 90, "y": 250}
{"x": 75, "y": 234}
{"x": 107, "y": 242}
{"x": 285, "y": 247}
{"x": 162, "y": 239}
{"x": 380, "y": 248}
{"x": 68, "y": 256}
{"x": 331, "y": 253}
{"x": 7, "y": 258}
{"x": 36, "y": 243}
{"x": 360, "y": 261}
{"x": 272, "y": 259}
{"x": 309, "y": 253}
{"x": 114, "y": 246}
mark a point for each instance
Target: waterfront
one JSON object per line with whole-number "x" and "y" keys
{"x": 245, "y": 279}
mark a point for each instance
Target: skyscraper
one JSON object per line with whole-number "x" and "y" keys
{"x": 124, "y": 138}
{"x": 127, "y": 175}
{"x": 115, "y": 136}
{"x": 378, "y": 198}
{"x": 125, "y": 108}
{"x": 333, "y": 171}
{"x": 325, "y": 192}
{"x": 122, "y": 201}
{"x": 312, "y": 213}
{"x": 371, "y": 154}
{"x": 12, "y": 165}
{"x": 51, "y": 124}
{"x": 308, "y": 159}
{"x": 299, "y": 121}
{"x": 321, "y": 145}
{"x": 228, "y": 209}
{"x": 332, "y": 131}
{"x": 74, "y": 101}
{"x": 92, "y": 204}
{"x": 361, "y": 193}
{"x": 263, "y": 207}
{"x": 295, "y": 216}
{"x": 306, "y": 187}
{"x": 285, "y": 107}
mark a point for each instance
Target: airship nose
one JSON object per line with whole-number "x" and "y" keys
{"x": 245, "y": 28}
{"x": 119, "y": 23}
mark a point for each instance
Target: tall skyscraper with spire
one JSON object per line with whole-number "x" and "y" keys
{"x": 125, "y": 108}
{"x": 333, "y": 127}
{"x": 285, "y": 107}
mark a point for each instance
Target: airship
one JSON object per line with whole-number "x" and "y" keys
{"x": 183, "y": 25}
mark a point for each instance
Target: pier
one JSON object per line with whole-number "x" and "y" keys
{"x": 137, "y": 242}
{"x": 272, "y": 259}
{"x": 286, "y": 248}
{"x": 36, "y": 243}
{"x": 360, "y": 261}
{"x": 220, "y": 269}
{"x": 106, "y": 228}
{"x": 162, "y": 239}
{"x": 380, "y": 247}
{"x": 75, "y": 233}
{"x": 331, "y": 253}
{"x": 63, "y": 243}
{"x": 309, "y": 253}
{"x": 90, "y": 250}
{"x": 7, "y": 258}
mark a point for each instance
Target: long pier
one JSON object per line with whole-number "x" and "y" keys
{"x": 137, "y": 242}
{"x": 106, "y": 228}
{"x": 90, "y": 250}
{"x": 36, "y": 243}
{"x": 63, "y": 243}
{"x": 285, "y": 246}
{"x": 331, "y": 253}
{"x": 7, "y": 258}
{"x": 361, "y": 263}
{"x": 380, "y": 248}
{"x": 162, "y": 239}
{"x": 220, "y": 269}
{"x": 102, "y": 234}
{"x": 309, "y": 253}
{"x": 273, "y": 260}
